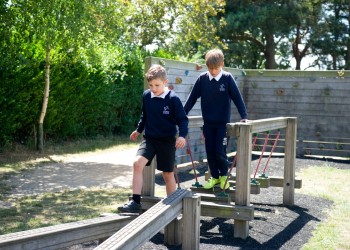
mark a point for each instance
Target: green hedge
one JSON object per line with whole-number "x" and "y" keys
{"x": 96, "y": 94}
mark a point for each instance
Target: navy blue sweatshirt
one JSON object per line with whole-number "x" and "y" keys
{"x": 161, "y": 115}
{"x": 216, "y": 99}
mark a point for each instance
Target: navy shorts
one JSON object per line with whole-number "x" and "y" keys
{"x": 164, "y": 148}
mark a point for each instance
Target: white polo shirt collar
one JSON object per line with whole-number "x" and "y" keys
{"x": 166, "y": 91}
{"x": 217, "y": 78}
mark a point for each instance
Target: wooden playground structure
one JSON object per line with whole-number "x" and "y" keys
{"x": 179, "y": 214}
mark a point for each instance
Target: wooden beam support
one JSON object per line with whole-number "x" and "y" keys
{"x": 191, "y": 222}
{"x": 276, "y": 181}
{"x": 242, "y": 197}
{"x": 228, "y": 211}
{"x": 289, "y": 162}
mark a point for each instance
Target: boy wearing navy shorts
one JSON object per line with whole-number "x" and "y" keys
{"x": 162, "y": 113}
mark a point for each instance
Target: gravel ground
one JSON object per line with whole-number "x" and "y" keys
{"x": 274, "y": 226}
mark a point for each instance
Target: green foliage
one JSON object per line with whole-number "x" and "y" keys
{"x": 85, "y": 99}
{"x": 96, "y": 80}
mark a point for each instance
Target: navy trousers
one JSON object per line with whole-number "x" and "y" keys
{"x": 215, "y": 146}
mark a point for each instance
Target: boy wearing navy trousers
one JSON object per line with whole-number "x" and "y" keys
{"x": 162, "y": 112}
{"x": 216, "y": 88}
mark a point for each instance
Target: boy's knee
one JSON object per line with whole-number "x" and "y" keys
{"x": 138, "y": 166}
{"x": 167, "y": 175}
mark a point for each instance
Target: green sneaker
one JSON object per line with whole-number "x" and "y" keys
{"x": 222, "y": 180}
{"x": 211, "y": 183}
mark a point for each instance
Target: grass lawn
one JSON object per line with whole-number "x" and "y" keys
{"x": 332, "y": 184}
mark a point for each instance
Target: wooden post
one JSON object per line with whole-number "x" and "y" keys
{"x": 242, "y": 197}
{"x": 149, "y": 179}
{"x": 191, "y": 222}
{"x": 173, "y": 232}
{"x": 289, "y": 162}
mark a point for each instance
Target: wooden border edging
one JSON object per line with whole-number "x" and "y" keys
{"x": 64, "y": 235}
{"x": 144, "y": 227}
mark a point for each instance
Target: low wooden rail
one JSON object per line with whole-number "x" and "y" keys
{"x": 144, "y": 227}
{"x": 64, "y": 235}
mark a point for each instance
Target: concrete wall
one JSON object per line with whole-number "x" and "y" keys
{"x": 319, "y": 99}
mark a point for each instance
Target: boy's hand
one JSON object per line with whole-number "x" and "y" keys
{"x": 134, "y": 135}
{"x": 180, "y": 142}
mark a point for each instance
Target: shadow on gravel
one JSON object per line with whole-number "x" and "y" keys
{"x": 270, "y": 229}
{"x": 275, "y": 226}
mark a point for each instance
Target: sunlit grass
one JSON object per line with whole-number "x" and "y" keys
{"x": 332, "y": 184}
{"x": 19, "y": 157}
{"x": 55, "y": 208}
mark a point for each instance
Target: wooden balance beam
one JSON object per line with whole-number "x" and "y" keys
{"x": 145, "y": 226}
{"x": 274, "y": 181}
{"x": 217, "y": 194}
{"x": 213, "y": 206}
{"x": 64, "y": 235}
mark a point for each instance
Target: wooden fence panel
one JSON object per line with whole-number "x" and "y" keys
{"x": 319, "y": 99}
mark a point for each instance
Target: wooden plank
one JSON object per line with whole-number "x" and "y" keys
{"x": 214, "y": 198}
{"x": 147, "y": 224}
{"x": 254, "y": 189}
{"x": 289, "y": 162}
{"x": 325, "y": 87}
{"x": 298, "y": 106}
{"x": 329, "y": 153}
{"x": 278, "y": 181}
{"x": 149, "y": 201}
{"x": 261, "y": 125}
{"x": 149, "y": 178}
{"x": 172, "y": 232}
{"x": 293, "y": 74}
{"x": 64, "y": 235}
{"x": 195, "y": 121}
{"x": 239, "y": 213}
{"x": 191, "y": 219}
{"x": 242, "y": 198}
{"x": 326, "y": 145}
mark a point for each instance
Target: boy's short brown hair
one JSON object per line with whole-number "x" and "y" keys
{"x": 156, "y": 72}
{"x": 214, "y": 58}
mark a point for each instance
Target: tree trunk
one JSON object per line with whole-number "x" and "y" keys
{"x": 347, "y": 56}
{"x": 270, "y": 52}
{"x": 45, "y": 100}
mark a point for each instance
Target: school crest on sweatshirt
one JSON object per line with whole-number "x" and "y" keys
{"x": 166, "y": 110}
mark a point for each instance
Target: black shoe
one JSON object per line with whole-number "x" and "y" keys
{"x": 131, "y": 207}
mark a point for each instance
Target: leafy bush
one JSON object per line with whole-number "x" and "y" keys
{"x": 95, "y": 93}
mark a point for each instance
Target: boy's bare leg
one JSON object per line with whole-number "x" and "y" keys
{"x": 170, "y": 183}
{"x": 137, "y": 178}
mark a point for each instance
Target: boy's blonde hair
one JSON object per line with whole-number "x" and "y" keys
{"x": 156, "y": 72}
{"x": 214, "y": 58}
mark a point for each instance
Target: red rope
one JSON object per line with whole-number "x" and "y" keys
{"x": 273, "y": 148}
{"x": 262, "y": 153}
{"x": 235, "y": 160}
{"x": 190, "y": 152}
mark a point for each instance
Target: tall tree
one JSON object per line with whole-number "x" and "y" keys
{"x": 305, "y": 29}
{"x": 332, "y": 45}
{"x": 54, "y": 28}
{"x": 259, "y": 26}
